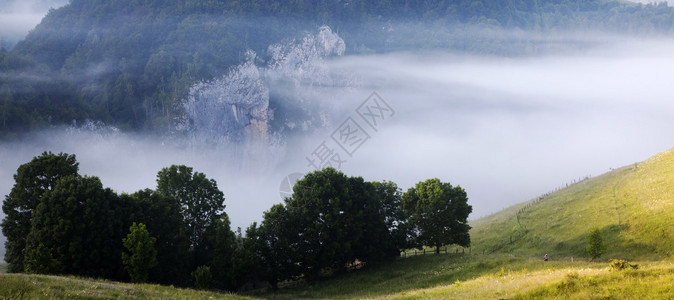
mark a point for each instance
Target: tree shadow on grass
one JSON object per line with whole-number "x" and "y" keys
{"x": 614, "y": 242}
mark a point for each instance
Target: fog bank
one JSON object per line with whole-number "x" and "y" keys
{"x": 505, "y": 129}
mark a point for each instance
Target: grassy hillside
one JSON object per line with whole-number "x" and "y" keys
{"x": 632, "y": 206}
{"x": 558, "y": 281}
{"x": 446, "y": 276}
{"x": 495, "y": 276}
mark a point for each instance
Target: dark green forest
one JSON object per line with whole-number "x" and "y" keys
{"x": 129, "y": 63}
{"x": 61, "y": 222}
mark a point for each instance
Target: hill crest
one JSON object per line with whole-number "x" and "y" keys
{"x": 632, "y": 206}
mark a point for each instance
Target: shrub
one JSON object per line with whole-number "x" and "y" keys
{"x": 595, "y": 245}
{"x": 40, "y": 261}
{"x": 620, "y": 264}
{"x": 143, "y": 256}
{"x": 202, "y": 277}
{"x": 569, "y": 284}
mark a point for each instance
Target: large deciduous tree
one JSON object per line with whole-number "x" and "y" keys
{"x": 275, "y": 243}
{"x": 223, "y": 243}
{"x": 82, "y": 224}
{"x": 201, "y": 206}
{"x": 32, "y": 181}
{"x": 330, "y": 222}
{"x": 389, "y": 197}
{"x": 335, "y": 219}
{"x": 437, "y": 214}
{"x": 201, "y": 202}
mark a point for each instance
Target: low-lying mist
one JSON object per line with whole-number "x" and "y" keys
{"x": 505, "y": 129}
{"x": 510, "y": 129}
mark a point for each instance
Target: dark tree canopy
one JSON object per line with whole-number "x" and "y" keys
{"x": 162, "y": 217}
{"x": 59, "y": 222}
{"x": 82, "y": 224}
{"x": 203, "y": 216}
{"x": 333, "y": 220}
{"x": 330, "y": 221}
{"x": 437, "y": 213}
{"x": 389, "y": 197}
{"x": 32, "y": 181}
{"x": 223, "y": 243}
{"x": 275, "y": 244}
{"x": 201, "y": 202}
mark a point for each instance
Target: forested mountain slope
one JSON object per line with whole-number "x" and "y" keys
{"x": 130, "y": 63}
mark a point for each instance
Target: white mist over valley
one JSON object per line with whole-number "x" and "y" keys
{"x": 506, "y": 129}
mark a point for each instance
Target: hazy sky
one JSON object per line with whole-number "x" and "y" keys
{"x": 17, "y": 17}
{"x": 669, "y": 2}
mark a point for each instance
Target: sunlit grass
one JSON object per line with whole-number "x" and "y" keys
{"x": 587, "y": 282}
{"x": 632, "y": 206}
{"x": 421, "y": 272}
{"x": 423, "y": 277}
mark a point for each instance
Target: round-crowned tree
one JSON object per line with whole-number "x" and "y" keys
{"x": 437, "y": 214}
{"x": 82, "y": 224}
{"x": 335, "y": 219}
{"x": 32, "y": 181}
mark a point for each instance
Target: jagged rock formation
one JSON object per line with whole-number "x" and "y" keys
{"x": 234, "y": 112}
{"x": 300, "y": 61}
{"x": 230, "y": 109}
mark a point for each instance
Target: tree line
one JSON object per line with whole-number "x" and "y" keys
{"x": 60, "y": 222}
